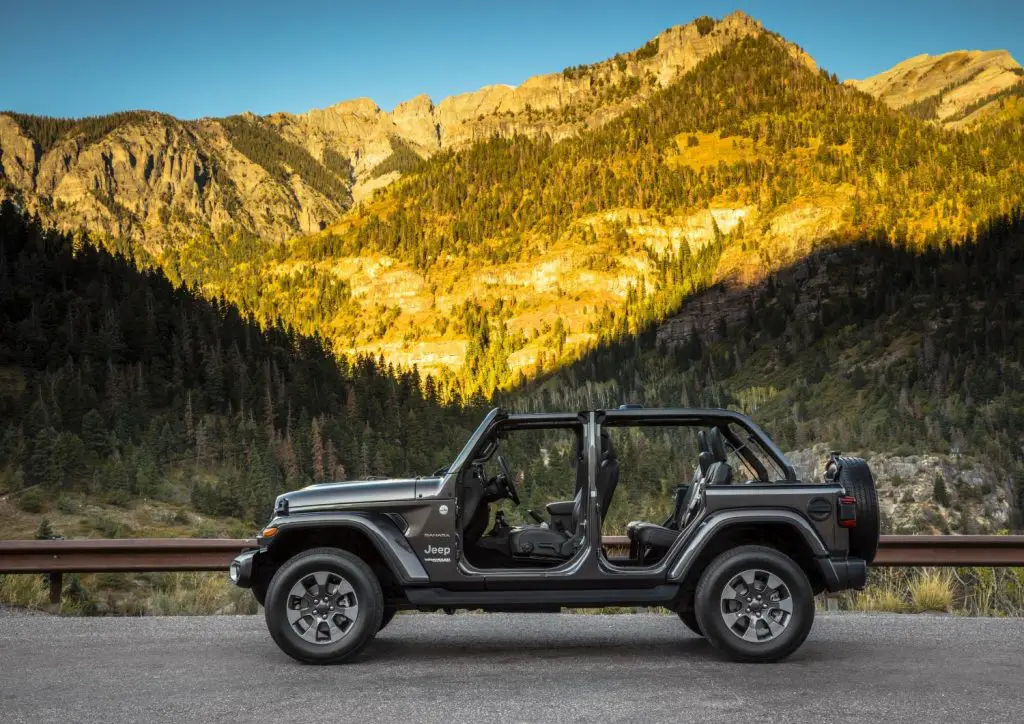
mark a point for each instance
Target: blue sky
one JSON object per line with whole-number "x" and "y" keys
{"x": 218, "y": 57}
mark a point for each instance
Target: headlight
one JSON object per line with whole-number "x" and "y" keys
{"x": 234, "y": 570}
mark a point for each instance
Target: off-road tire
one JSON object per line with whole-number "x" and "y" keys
{"x": 367, "y": 590}
{"x": 389, "y": 613}
{"x": 709, "y": 605}
{"x": 259, "y": 591}
{"x": 689, "y": 617}
{"x": 855, "y": 476}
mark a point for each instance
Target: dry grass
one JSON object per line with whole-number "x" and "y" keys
{"x": 965, "y": 591}
{"x": 932, "y": 590}
{"x": 991, "y": 591}
{"x": 887, "y": 593}
{"x": 23, "y": 591}
{"x": 198, "y": 594}
{"x": 160, "y": 594}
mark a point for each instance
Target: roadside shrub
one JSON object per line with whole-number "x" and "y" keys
{"x": 940, "y": 492}
{"x": 45, "y": 530}
{"x": 67, "y": 504}
{"x": 32, "y": 500}
{"x": 108, "y": 527}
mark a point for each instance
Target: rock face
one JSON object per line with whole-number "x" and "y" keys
{"x": 157, "y": 179}
{"x": 947, "y": 83}
{"x": 558, "y": 104}
{"x": 154, "y": 178}
{"x": 927, "y": 494}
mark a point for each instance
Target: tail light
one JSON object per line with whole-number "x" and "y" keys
{"x": 847, "y": 513}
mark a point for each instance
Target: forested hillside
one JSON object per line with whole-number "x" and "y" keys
{"x": 118, "y": 387}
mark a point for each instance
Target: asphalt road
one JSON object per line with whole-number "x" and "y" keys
{"x": 509, "y": 668}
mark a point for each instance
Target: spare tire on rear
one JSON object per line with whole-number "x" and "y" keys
{"x": 855, "y": 476}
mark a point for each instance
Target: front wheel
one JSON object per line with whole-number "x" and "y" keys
{"x": 259, "y": 592}
{"x": 754, "y": 604}
{"x": 689, "y": 617}
{"x": 324, "y": 606}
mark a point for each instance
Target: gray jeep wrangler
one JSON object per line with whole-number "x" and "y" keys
{"x": 740, "y": 557}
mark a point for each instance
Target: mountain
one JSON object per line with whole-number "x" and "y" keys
{"x": 156, "y": 179}
{"x": 494, "y": 263}
{"x": 955, "y": 89}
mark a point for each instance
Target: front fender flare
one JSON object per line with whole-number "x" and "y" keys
{"x": 717, "y": 522}
{"x": 381, "y": 530}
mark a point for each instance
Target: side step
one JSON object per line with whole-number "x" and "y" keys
{"x": 547, "y": 600}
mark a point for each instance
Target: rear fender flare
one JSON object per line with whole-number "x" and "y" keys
{"x": 719, "y": 522}
{"x": 380, "y": 530}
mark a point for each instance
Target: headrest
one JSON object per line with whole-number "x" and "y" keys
{"x": 704, "y": 461}
{"x": 717, "y": 444}
{"x": 702, "y": 442}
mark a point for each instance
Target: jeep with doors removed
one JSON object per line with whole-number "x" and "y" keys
{"x": 739, "y": 557}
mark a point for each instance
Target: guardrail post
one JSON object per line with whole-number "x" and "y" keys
{"x": 56, "y": 586}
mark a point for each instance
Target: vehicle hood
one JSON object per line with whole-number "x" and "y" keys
{"x": 354, "y": 492}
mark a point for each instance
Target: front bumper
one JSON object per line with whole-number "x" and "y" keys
{"x": 240, "y": 570}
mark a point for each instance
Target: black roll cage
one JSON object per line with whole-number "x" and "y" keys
{"x": 689, "y": 416}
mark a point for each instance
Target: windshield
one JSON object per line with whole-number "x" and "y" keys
{"x": 467, "y": 449}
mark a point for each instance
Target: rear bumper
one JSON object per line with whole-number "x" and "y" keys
{"x": 240, "y": 570}
{"x": 842, "y": 574}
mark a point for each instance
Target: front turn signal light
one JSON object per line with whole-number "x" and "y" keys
{"x": 268, "y": 532}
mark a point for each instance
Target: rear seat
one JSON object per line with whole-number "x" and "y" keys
{"x": 713, "y": 469}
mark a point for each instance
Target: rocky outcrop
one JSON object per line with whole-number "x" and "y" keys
{"x": 558, "y": 104}
{"x": 155, "y": 179}
{"x": 927, "y": 493}
{"x": 943, "y": 86}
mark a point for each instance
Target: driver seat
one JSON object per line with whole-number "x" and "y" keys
{"x": 560, "y": 542}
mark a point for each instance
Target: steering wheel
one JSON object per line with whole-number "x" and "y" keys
{"x": 506, "y": 478}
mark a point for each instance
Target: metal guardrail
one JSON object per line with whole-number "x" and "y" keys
{"x": 950, "y": 550}
{"x": 128, "y": 555}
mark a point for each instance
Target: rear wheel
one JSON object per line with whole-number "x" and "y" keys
{"x": 389, "y": 613}
{"x": 754, "y": 604}
{"x": 324, "y": 606}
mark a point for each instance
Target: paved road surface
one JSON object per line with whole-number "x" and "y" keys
{"x": 509, "y": 668}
